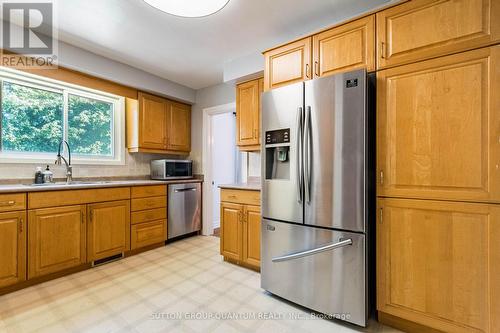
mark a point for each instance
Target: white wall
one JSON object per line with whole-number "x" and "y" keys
{"x": 205, "y": 98}
{"x": 84, "y": 61}
{"x": 209, "y": 97}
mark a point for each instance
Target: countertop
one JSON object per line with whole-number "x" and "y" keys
{"x": 16, "y": 188}
{"x": 242, "y": 186}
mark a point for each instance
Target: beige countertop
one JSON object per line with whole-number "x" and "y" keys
{"x": 242, "y": 186}
{"x": 78, "y": 185}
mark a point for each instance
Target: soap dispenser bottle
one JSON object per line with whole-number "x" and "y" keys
{"x": 48, "y": 176}
{"x": 38, "y": 176}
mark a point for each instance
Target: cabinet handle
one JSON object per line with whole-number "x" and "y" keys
{"x": 91, "y": 215}
{"x": 381, "y": 177}
{"x": 7, "y": 203}
{"x": 382, "y": 50}
{"x": 316, "y": 68}
{"x": 307, "y": 71}
{"x": 381, "y": 215}
{"x": 21, "y": 221}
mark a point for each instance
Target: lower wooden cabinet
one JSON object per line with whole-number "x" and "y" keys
{"x": 108, "y": 229}
{"x": 56, "y": 239}
{"x": 12, "y": 248}
{"x": 231, "y": 230}
{"x": 251, "y": 236}
{"x": 240, "y": 230}
{"x": 148, "y": 233}
{"x": 438, "y": 264}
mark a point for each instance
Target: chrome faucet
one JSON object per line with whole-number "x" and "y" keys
{"x": 69, "y": 168}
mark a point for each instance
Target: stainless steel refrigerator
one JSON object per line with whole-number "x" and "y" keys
{"x": 316, "y": 174}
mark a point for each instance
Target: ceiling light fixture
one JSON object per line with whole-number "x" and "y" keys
{"x": 188, "y": 8}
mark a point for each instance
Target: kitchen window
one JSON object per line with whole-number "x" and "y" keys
{"x": 37, "y": 113}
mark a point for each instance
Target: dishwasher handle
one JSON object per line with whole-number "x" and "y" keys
{"x": 192, "y": 189}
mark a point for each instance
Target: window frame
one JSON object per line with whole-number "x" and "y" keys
{"x": 38, "y": 82}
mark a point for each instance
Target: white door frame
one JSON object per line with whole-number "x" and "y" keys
{"x": 208, "y": 227}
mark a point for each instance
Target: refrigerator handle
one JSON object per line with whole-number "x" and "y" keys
{"x": 308, "y": 253}
{"x": 300, "y": 134}
{"x": 307, "y": 155}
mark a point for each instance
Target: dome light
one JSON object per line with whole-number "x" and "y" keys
{"x": 188, "y": 8}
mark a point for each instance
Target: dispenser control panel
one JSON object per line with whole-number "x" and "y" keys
{"x": 278, "y": 136}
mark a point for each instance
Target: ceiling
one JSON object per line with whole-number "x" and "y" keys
{"x": 192, "y": 51}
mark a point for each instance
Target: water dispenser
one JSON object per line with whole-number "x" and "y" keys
{"x": 278, "y": 154}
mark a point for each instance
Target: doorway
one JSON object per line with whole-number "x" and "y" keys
{"x": 221, "y": 160}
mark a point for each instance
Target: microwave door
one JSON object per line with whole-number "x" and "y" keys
{"x": 335, "y": 151}
{"x": 282, "y": 180}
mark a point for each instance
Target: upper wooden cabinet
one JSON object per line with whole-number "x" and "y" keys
{"x": 56, "y": 239}
{"x": 108, "y": 229}
{"x": 422, "y": 29}
{"x": 152, "y": 122}
{"x": 158, "y": 125}
{"x": 12, "y": 248}
{"x": 178, "y": 127}
{"x": 437, "y": 264}
{"x": 248, "y": 111}
{"x": 288, "y": 64}
{"x": 346, "y": 47}
{"x": 438, "y": 128}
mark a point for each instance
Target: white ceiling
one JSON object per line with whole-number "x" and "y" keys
{"x": 192, "y": 51}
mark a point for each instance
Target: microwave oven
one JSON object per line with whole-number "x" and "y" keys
{"x": 171, "y": 169}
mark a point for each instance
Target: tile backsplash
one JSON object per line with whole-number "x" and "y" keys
{"x": 135, "y": 165}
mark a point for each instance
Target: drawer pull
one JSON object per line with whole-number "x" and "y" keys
{"x": 232, "y": 197}
{"x": 7, "y": 203}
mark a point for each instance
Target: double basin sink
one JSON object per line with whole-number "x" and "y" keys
{"x": 74, "y": 182}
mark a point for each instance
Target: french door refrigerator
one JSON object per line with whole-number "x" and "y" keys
{"x": 316, "y": 175}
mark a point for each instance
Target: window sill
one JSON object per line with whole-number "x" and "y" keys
{"x": 51, "y": 159}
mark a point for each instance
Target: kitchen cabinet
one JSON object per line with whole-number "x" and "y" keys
{"x": 347, "y": 47}
{"x": 152, "y": 122}
{"x": 248, "y": 111}
{"x": 438, "y": 124}
{"x": 240, "y": 227}
{"x": 108, "y": 229}
{"x": 158, "y": 125}
{"x": 149, "y": 216}
{"x": 178, "y": 127}
{"x": 437, "y": 263}
{"x": 231, "y": 230}
{"x": 56, "y": 239}
{"x": 12, "y": 248}
{"x": 423, "y": 29}
{"x": 288, "y": 64}
{"x": 251, "y": 236}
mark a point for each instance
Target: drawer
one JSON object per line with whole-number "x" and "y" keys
{"x": 241, "y": 196}
{"x": 11, "y": 202}
{"x": 149, "y": 203}
{"x": 148, "y": 233}
{"x": 148, "y": 191}
{"x": 76, "y": 197}
{"x": 149, "y": 215}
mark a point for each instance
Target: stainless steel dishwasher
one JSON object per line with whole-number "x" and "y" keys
{"x": 184, "y": 209}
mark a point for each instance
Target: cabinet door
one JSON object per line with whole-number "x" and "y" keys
{"x": 438, "y": 263}
{"x": 439, "y": 128}
{"x": 152, "y": 122}
{"x": 347, "y": 47}
{"x": 288, "y": 64}
{"x": 248, "y": 113}
{"x": 108, "y": 229}
{"x": 179, "y": 127}
{"x": 251, "y": 236}
{"x": 56, "y": 239}
{"x": 231, "y": 216}
{"x": 423, "y": 29}
{"x": 148, "y": 233}
{"x": 12, "y": 248}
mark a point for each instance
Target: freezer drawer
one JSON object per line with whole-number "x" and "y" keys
{"x": 184, "y": 209}
{"x": 330, "y": 278}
